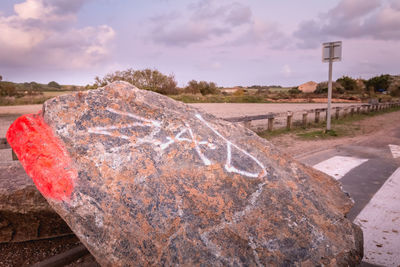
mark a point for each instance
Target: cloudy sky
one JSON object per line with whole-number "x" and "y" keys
{"x": 242, "y": 42}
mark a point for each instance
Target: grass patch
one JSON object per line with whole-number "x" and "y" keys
{"x": 319, "y": 134}
{"x": 268, "y": 135}
{"x": 186, "y": 98}
{"x": 31, "y": 99}
{"x": 279, "y": 89}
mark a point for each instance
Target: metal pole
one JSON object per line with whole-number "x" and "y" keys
{"x": 328, "y": 112}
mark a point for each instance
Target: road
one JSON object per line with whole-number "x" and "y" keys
{"x": 369, "y": 171}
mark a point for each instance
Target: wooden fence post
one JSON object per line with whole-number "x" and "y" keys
{"x": 364, "y": 108}
{"x": 317, "y": 115}
{"x": 305, "y": 119}
{"x": 14, "y": 156}
{"x": 337, "y": 113}
{"x": 289, "y": 120}
{"x": 270, "y": 123}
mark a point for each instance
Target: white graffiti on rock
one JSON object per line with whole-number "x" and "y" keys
{"x": 185, "y": 134}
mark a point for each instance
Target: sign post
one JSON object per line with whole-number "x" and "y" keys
{"x": 331, "y": 52}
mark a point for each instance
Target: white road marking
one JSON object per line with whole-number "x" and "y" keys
{"x": 395, "y": 149}
{"x": 380, "y": 222}
{"x": 338, "y": 166}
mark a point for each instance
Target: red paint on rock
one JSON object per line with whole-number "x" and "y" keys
{"x": 43, "y": 156}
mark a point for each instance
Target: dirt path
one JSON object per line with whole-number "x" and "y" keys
{"x": 374, "y": 127}
{"x": 23, "y": 109}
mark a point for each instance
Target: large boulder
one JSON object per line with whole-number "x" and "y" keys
{"x": 24, "y": 213}
{"x": 144, "y": 180}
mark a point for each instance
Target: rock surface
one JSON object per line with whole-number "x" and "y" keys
{"x": 24, "y": 213}
{"x": 144, "y": 180}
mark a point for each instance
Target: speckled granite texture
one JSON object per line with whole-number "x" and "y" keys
{"x": 161, "y": 183}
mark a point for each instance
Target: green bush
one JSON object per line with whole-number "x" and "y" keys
{"x": 322, "y": 88}
{"x": 294, "y": 90}
{"x": 54, "y": 85}
{"x": 8, "y": 89}
{"x": 146, "y": 79}
{"x": 348, "y": 83}
{"x": 395, "y": 92}
{"x": 378, "y": 82}
{"x": 202, "y": 87}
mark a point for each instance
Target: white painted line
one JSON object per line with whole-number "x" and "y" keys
{"x": 338, "y": 166}
{"x": 395, "y": 149}
{"x": 380, "y": 222}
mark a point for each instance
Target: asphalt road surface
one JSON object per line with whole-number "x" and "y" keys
{"x": 369, "y": 171}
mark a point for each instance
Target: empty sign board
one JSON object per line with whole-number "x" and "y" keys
{"x": 332, "y": 51}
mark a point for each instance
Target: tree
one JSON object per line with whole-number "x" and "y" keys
{"x": 381, "y": 82}
{"x": 7, "y": 89}
{"x": 1, "y": 78}
{"x": 202, "y": 87}
{"x": 34, "y": 87}
{"x": 54, "y": 84}
{"x": 394, "y": 87}
{"x": 294, "y": 90}
{"x": 348, "y": 83}
{"x": 146, "y": 79}
{"x": 207, "y": 88}
{"x": 192, "y": 87}
{"x": 395, "y": 91}
{"x": 322, "y": 88}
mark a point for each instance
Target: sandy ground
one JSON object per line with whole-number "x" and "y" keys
{"x": 24, "y": 109}
{"x": 373, "y": 127}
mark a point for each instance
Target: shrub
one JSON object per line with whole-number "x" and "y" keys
{"x": 208, "y": 88}
{"x": 202, "y": 87}
{"x": 395, "y": 91}
{"x": 54, "y": 84}
{"x": 8, "y": 89}
{"x": 239, "y": 92}
{"x": 192, "y": 87}
{"x": 146, "y": 79}
{"x": 294, "y": 90}
{"x": 322, "y": 88}
{"x": 378, "y": 82}
{"x": 348, "y": 83}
